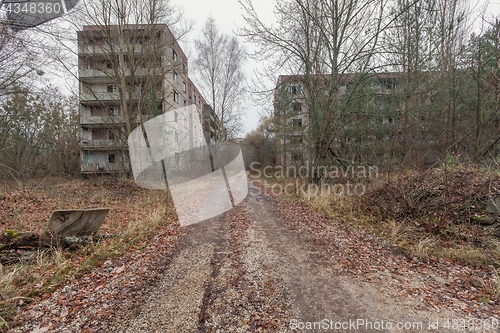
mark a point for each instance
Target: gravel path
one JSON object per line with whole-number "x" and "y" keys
{"x": 250, "y": 272}
{"x": 256, "y": 269}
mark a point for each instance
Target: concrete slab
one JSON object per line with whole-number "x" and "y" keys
{"x": 76, "y": 222}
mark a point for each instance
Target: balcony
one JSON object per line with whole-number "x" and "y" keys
{"x": 95, "y": 73}
{"x": 105, "y": 49}
{"x": 101, "y": 144}
{"x": 104, "y": 96}
{"x": 105, "y": 121}
{"x": 101, "y": 120}
{"x": 88, "y": 97}
{"x": 103, "y": 167}
{"x": 92, "y": 49}
{"x": 107, "y": 73}
{"x": 99, "y": 96}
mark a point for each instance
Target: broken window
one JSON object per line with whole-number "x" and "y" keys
{"x": 296, "y": 90}
{"x": 297, "y": 123}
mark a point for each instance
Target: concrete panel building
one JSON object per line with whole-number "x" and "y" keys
{"x": 128, "y": 75}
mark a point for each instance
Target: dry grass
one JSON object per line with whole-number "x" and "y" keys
{"x": 462, "y": 242}
{"x": 423, "y": 248}
{"x": 134, "y": 216}
{"x": 465, "y": 243}
{"x": 41, "y": 273}
{"x": 492, "y": 288}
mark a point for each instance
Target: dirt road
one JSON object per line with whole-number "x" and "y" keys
{"x": 249, "y": 271}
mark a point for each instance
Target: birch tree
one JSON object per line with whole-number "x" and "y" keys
{"x": 219, "y": 65}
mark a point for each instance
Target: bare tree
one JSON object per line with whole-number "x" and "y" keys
{"x": 17, "y": 58}
{"x": 259, "y": 146}
{"x": 135, "y": 51}
{"x": 321, "y": 44}
{"x": 38, "y": 123}
{"x": 38, "y": 133}
{"x": 219, "y": 65}
{"x": 449, "y": 42}
{"x": 129, "y": 51}
{"x": 483, "y": 102}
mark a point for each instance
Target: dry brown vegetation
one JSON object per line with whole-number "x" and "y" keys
{"x": 435, "y": 199}
{"x": 430, "y": 218}
{"x": 134, "y": 216}
{"x": 429, "y": 214}
{"x": 438, "y": 212}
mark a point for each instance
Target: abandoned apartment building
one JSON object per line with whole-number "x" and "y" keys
{"x": 128, "y": 75}
{"x": 293, "y": 118}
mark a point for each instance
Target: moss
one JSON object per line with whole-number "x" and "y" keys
{"x": 483, "y": 299}
{"x": 477, "y": 218}
{"x": 9, "y": 233}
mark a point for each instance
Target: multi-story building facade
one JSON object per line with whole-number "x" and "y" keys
{"x": 128, "y": 75}
{"x": 293, "y": 119}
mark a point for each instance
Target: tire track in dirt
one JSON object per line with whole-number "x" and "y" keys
{"x": 244, "y": 296}
{"x": 249, "y": 271}
{"x": 174, "y": 303}
{"x": 318, "y": 287}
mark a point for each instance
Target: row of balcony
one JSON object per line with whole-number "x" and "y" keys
{"x": 109, "y": 120}
{"x": 92, "y": 74}
{"x": 101, "y": 120}
{"x": 98, "y": 49}
{"x": 104, "y": 96}
{"x": 101, "y": 144}
{"x": 103, "y": 167}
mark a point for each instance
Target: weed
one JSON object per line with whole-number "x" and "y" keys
{"x": 483, "y": 299}
{"x": 9, "y": 233}
{"x": 491, "y": 288}
{"x": 43, "y": 271}
{"x": 3, "y": 323}
{"x": 424, "y": 247}
{"x": 463, "y": 253}
{"x": 397, "y": 232}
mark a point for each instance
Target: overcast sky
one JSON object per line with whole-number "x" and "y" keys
{"x": 228, "y": 15}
